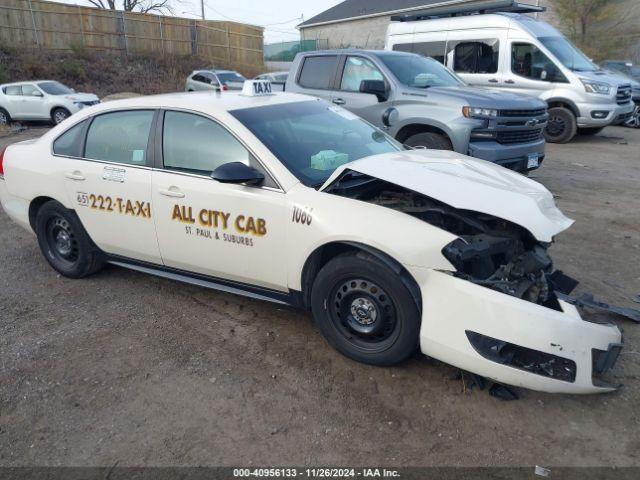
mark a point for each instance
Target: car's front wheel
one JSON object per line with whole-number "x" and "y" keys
{"x": 561, "y": 126}
{"x": 64, "y": 242}
{"x": 364, "y": 310}
{"x": 429, "y": 140}
{"x": 60, "y": 115}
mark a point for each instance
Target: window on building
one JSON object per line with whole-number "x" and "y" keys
{"x": 318, "y": 72}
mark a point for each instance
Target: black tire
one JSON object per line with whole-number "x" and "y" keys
{"x": 590, "y": 130}
{"x": 59, "y": 115}
{"x": 429, "y": 140}
{"x": 561, "y": 126}
{"x": 65, "y": 243}
{"x": 5, "y": 118}
{"x": 364, "y": 310}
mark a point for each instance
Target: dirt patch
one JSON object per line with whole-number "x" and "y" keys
{"x": 130, "y": 369}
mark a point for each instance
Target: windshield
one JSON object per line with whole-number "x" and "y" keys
{"x": 55, "y": 88}
{"x": 568, "y": 54}
{"x": 418, "y": 71}
{"x": 313, "y": 138}
{"x": 230, "y": 77}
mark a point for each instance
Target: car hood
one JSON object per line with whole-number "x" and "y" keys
{"x": 488, "y": 98}
{"x": 82, "y": 97}
{"x": 611, "y": 78}
{"x": 469, "y": 184}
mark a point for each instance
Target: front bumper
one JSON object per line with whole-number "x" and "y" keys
{"x": 615, "y": 113}
{"x": 455, "y": 310}
{"x": 513, "y": 157}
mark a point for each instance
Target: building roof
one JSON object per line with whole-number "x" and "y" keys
{"x": 363, "y": 8}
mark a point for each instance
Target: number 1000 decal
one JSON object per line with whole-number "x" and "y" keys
{"x": 123, "y": 206}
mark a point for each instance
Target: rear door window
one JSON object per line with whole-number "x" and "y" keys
{"x": 120, "y": 137}
{"x": 69, "y": 144}
{"x": 13, "y": 90}
{"x": 318, "y": 72}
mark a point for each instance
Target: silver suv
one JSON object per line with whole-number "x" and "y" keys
{"x": 423, "y": 104}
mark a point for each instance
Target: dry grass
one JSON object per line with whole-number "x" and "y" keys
{"x": 106, "y": 73}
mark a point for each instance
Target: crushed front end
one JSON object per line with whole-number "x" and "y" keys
{"x": 496, "y": 312}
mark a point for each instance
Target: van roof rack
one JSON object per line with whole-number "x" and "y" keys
{"x": 476, "y": 8}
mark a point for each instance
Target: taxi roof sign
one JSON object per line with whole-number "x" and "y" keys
{"x": 256, "y": 88}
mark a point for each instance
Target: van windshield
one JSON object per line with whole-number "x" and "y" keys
{"x": 568, "y": 54}
{"x": 419, "y": 72}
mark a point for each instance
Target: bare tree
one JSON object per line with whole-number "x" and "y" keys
{"x": 593, "y": 24}
{"x": 143, "y": 6}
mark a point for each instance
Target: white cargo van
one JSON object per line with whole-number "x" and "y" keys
{"x": 501, "y": 47}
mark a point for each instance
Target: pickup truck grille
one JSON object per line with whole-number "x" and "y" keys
{"x": 623, "y": 96}
{"x": 518, "y": 136}
{"x": 523, "y": 113}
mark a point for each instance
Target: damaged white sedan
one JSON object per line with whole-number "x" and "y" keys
{"x": 287, "y": 198}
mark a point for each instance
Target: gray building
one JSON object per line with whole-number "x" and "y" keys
{"x": 363, "y": 23}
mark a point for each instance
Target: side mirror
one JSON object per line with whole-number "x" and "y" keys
{"x": 237, "y": 172}
{"x": 36, "y": 93}
{"x": 374, "y": 87}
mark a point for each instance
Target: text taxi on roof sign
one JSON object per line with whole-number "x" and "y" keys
{"x": 287, "y": 198}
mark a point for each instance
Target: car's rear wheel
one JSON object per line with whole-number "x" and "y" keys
{"x": 590, "y": 130}
{"x": 364, "y": 310}
{"x": 561, "y": 125}
{"x": 64, "y": 242}
{"x": 60, "y": 115}
{"x": 429, "y": 140}
{"x": 5, "y": 118}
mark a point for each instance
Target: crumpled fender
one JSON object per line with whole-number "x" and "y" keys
{"x": 451, "y": 307}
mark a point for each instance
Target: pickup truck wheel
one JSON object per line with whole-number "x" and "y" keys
{"x": 5, "y": 118}
{"x": 364, "y": 310}
{"x": 59, "y": 115}
{"x": 64, "y": 242}
{"x": 561, "y": 126}
{"x": 590, "y": 130}
{"x": 430, "y": 140}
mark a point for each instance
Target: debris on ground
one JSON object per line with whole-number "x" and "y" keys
{"x": 503, "y": 392}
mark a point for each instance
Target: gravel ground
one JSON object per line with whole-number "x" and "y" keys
{"x": 130, "y": 369}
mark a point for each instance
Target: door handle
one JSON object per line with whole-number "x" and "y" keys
{"x": 511, "y": 82}
{"x": 493, "y": 80}
{"x": 76, "y": 175}
{"x": 338, "y": 101}
{"x": 171, "y": 192}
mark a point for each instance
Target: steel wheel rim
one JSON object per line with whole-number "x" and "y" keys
{"x": 62, "y": 241}
{"x": 364, "y": 314}
{"x": 555, "y": 126}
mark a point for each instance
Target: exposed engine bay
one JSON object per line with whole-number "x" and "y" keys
{"x": 491, "y": 252}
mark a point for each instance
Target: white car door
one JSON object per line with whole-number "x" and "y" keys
{"x": 529, "y": 70}
{"x": 33, "y": 102}
{"x": 110, "y": 181}
{"x": 227, "y": 231}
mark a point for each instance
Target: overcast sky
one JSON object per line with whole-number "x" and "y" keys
{"x": 278, "y": 16}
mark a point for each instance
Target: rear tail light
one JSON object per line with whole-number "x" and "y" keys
{"x": 224, "y": 87}
{"x": 1, "y": 160}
